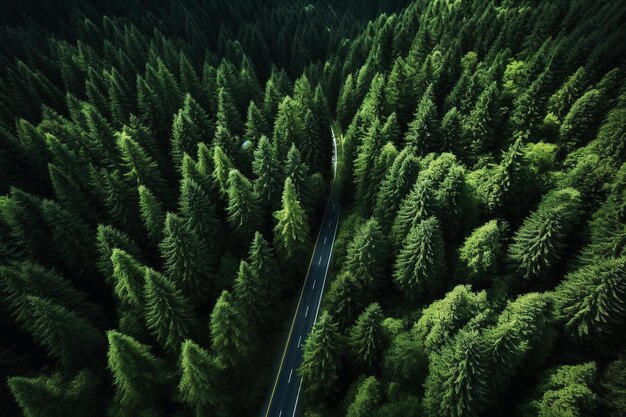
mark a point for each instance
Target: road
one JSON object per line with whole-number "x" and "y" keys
{"x": 283, "y": 399}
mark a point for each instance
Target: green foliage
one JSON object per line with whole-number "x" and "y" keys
{"x": 129, "y": 277}
{"x": 482, "y": 252}
{"x": 152, "y": 214}
{"x": 423, "y": 135}
{"x": 367, "y": 337}
{"x": 200, "y": 384}
{"x": 53, "y": 396}
{"x": 196, "y": 206}
{"x": 458, "y": 378}
{"x": 168, "y": 312}
{"x": 291, "y": 234}
{"x": 186, "y": 257}
{"x": 565, "y": 390}
{"x": 321, "y": 358}
{"x": 244, "y": 206}
{"x": 367, "y": 255}
{"x": 137, "y": 373}
{"x": 109, "y": 238}
{"x": 592, "y": 300}
{"x": 540, "y": 242}
{"x": 420, "y": 266}
{"x": 231, "y": 333}
{"x": 366, "y": 399}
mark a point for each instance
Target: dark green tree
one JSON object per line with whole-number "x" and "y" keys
{"x": 367, "y": 337}
{"x": 366, "y": 399}
{"x": 423, "y": 135}
{"x": 231, "y": 333}
{"x": 420, "y": 265}
{"x": 367, "y": 256}
{"x": 291, "y": 233}
{"x": 321, "y": 358}
{"x": 152, "y": 214}
{"x": 268, "y": 171}
{"x": 244, "y": 206}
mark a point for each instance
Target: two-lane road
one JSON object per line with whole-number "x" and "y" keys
{"x": 284, "y": 392}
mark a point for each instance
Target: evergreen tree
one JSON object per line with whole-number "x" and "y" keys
{"x": 168, "y": 312}
{"x": 321, "y": 358}
{"x": 590, "y": 300}
{"x": 249, "y": 292}
{"x": 267, "y": 169}
{"x": 452, "y": 132}
{"x": 580, "y": 120}
{"x": 140, "y": 167}
{"x": 367, "y": 337}
{"x": 129, "y": 277}
{"x": 420, "y": 265}
{"x": 291, "y": 234}
{"x": 262, "y": 261}
{"x": 244, "y": 206}
{"x": 540, "y": 242}
{"x": 66, "y": 335}
{"x": 480, "y": 125}
{"x": 458, "y": 378}
{"x": 423, "y": 135}
{"x": 109, "y": 238}
{"x": 186, "y": 257}
{"x": 68, "y": 193}
{"x": 255, "y": 124}
{"x": 345, "y": 299}
{"x": 197, "y": 207}
{"x": 366, "y": 399}
{"x": 222, "y": 166}
{"x": 55, "y": 396}
{"x": 152, "y": 214}
{"x": 366, "y": 256}
{"x": 482, "y": 252}
{"x": 138, "y": 374}
{"x": 417, "y": 206}
{"x": 228, "y": 116}
{"x": 298, "y": 171}
{"x": 201, "y": 386}
{"x": 231, "y": 333}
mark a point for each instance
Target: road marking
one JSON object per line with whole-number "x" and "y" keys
{"x": 320, "y": 261}
{"x": 329, "y": 223}
{"x": 295, "y": 406}
{"x": 325, "y": 239}
{"x": 306, "y": 313}
{"x": 314, "y": 284}
{"x": 290, "y": 372}
{"x": 299, "y": 337}
{"x": 281, "y": 413}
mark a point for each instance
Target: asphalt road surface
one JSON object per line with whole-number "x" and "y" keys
{"x": 283, "y": 399}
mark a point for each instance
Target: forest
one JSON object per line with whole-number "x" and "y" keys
{"x": 165, "y": 167}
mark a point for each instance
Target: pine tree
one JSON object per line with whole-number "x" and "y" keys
{"x": 186, "y": 257}
{"x": 267, "y": 169}
{"x": 420, "y": 266}
{"x": 590, "y": 301}
{"x": 565, "y": 390}
{"x": 140, "y": 167}
{"x": 366, "y": 399}
{"x": 262, "y": 261}
{"x": 396, "y": 184}
{"x": 249, "y": 292}
{"x": 71, "y": 238}
{"x": 119, "y": 198}
{"x": 68, "y": 193}
{"x": 367, "y": 256}
{"x": 289, "y": 126}
{"x": 152, "y": 214}
{"x": 321, "y": 358}
{"x": 168, "y": 312}
{"x": 417, "y": 206}
{"x": 578, "y": 125}
{"x": 55, "y": 396}
{"x": 367, "y": 337}
{"x": 345, "y": 299}
{"x": 541, "y": 240}
{"x": 197, "y": 207}
{"x": 222, "y": 166}
{"x": 138, "y": 374}
{"x": 201, "y": 384}
{"x": 255, "y": 124}
{"x": 480, "y": 125}
{"x": 228, "y": 116}
{"x": 363, "y": 165}
{"x": 66, "y": 335}
{"x": 129, "y": 278}
{"x": 25, "y": 278}
{"x": 298, "y": 171}
{"x": 452, "y": 132}
{"x": 423, "y": 134}
{"x": 562, "y": 100}
{"x": 231, "y": 336}
{"x": 458, "y": 378}
{"x": 482, "y": 252}
{"x": 244, "y": 206}
{"x": 291, "y": 233}
{"x": 109, "y": 238}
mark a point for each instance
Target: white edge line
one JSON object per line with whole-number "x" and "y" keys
{"x": 314, "y": 281}
{"x": 319, "y": 303}
{"x": 290, "y": 372}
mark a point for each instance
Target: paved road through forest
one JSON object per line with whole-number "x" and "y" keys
{"x": 283, "y": 400}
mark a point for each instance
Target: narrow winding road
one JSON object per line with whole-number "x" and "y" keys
{"x": 283, "y": 399}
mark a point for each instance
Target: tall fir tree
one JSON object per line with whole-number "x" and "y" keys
{"x": 291, "y": 233}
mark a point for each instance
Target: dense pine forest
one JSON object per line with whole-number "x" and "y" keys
{"x": 164, "y": 168}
